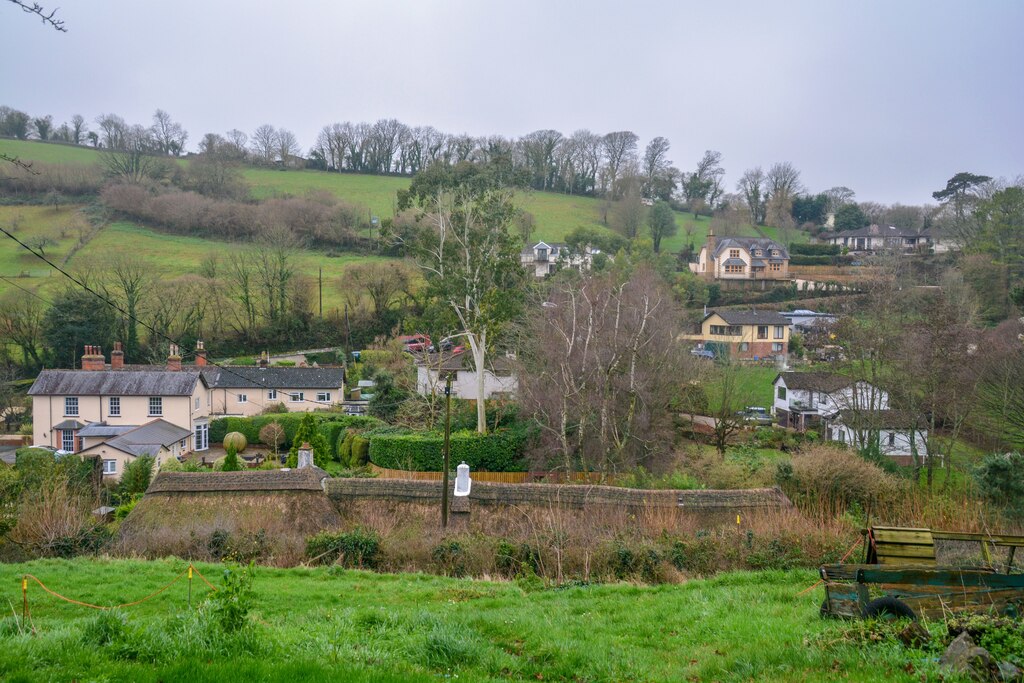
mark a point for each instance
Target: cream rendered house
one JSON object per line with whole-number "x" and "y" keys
{"x": 742, "y": 258}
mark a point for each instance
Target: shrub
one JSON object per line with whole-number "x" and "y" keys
{"x": 499, "y": 451}
{"x": 272, "y": 434}
{"x": 231, "y": 604}
{"x": 360, "y": 451}
{"x": 450, "y": 558}
{"x": 231, "y": 463}
{"x": 308, "y": 432}
{"x": 628, "y": 563}
{"x": 250, "y": 426}
{"x": 345, "y": 447}
{"x": 1000, "y": 478}
{"x": 836, "y": 475}
{"x": 357, "y": 548}
{"x": 137, "y": 475}
{"x": 697, "y": 557}
{"x": 513, "y": 560}
{"x": 235, "y": 441}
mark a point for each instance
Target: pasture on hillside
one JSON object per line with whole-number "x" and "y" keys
{"x": 168, "y": 254}
{"x": 335, "y": 624}
{"x": 555, "y": 215}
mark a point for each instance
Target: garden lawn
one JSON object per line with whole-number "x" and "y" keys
{"x": 331, "y": 624}
{"x": 753, "y": 388}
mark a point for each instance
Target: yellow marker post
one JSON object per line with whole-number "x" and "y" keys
{"x": 24, "y": 597}
{"x": 190, "y": 586}
{"x": 737, "y": 520}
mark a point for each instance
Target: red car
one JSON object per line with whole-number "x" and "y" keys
{"x": 416, "y": 342}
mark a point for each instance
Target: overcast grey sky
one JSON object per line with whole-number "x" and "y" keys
{"x": 890, "y": 98}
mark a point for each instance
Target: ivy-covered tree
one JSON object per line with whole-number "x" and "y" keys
{"x": 77, "y": 318}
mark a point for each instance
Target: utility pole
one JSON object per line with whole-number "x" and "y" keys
{"x": 447, "y": 449}
{"x": 321, "y": 293}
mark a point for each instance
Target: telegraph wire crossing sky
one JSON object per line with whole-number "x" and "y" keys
{"x": 889, "y": 99}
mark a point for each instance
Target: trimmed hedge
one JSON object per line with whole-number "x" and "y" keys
{"x": 331, "y": 425}
{"x": 814, "y": 250}
{"x": 500, "y": 451}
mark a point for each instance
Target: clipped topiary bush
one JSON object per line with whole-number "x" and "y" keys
{"x": 235, "y": 441}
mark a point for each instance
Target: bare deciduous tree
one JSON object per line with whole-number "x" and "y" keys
{"x": 599, "y": 371}
{"x": 752, "y": 186}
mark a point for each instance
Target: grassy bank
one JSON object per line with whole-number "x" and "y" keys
{"x": 327, "y": 624}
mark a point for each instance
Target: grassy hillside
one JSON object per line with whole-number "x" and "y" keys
{"x": 168, "y": 255}
{"x": 556, "y": 214}
{"x": 330, "y": 624}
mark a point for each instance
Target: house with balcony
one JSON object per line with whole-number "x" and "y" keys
{"x": 742, "y": 259}
{"x": 744, "y": 335}
{"x": 544, "y": 258}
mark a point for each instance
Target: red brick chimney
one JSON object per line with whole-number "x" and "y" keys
{"x": 93, "y": 359}
{"x": 200, "y": 354}
{"x": 174, "y": 359}
{"x": 117, "y": 357}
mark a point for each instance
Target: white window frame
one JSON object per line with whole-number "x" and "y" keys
{"x": 781, "y": 393}
{"x": 67, "y": 437}
{"x": 109, "y": 467}
{"x": 158, "y": 402}
{"x": 296, "y": 397}
{"x": 243, "y": 398}
{"x": 197, "y": 403}
{"x": 271, "y": 394}
{"x": 777, "y": 346}
{"x": 70, "y": 402}
{"x": 323, "y": 397}
{"x": 780, "y": 332}
{"x": 744, "y": 346}
{"x": 184, "y": 443}
{"x": 114, "y": 406}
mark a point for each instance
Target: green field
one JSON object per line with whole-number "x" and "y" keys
{"x": 555, "y": 214}
{"x": 169, "y": 255}
{"x": 330, "y": 624}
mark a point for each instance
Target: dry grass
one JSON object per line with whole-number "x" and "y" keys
{"x": 54, "y": 520}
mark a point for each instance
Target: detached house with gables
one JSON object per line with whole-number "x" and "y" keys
{"x": 746, "y": 335}
{"x": 742, "y": 259}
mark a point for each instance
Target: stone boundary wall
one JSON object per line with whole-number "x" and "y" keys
{"x": 571, "y": 495}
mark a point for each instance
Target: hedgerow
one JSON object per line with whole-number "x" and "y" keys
{"x": 499, "y": 451}
{"x": 330, "y": 425}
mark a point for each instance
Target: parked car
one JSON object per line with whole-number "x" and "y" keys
{"x": 416, "y": 343}
{"x": 703, "y": 353}
{"x": 449, "y": 346}
{"x": 755, "y": 415}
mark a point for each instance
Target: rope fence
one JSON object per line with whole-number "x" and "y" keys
{"x": 187, "y": 572}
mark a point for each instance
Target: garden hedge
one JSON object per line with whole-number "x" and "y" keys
{"x": 331, "y": 425}
{"x": 814, "y": 250}
{"x": 500, "y": 451}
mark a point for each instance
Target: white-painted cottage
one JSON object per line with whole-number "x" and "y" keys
{"x": 433, "y": 369}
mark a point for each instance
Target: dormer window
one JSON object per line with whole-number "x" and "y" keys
{"x": 757, "y": 252}
{"x": 734, "y": 253}
{"x": 775, "y": 252}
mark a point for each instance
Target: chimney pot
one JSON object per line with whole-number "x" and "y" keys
{"x": 117, "y": 357}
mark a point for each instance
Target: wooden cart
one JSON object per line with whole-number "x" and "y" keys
{"x": 900, "y": 578}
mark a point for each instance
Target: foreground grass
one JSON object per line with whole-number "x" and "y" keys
{"x": 348, "y": 625}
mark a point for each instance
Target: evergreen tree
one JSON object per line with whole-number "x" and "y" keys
{"x": 231, "y": 462}
{"x": 308, "y": 432}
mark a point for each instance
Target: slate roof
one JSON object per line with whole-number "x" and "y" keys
{"x": 555, "y": 247}
{"x": 305, "y": 479}
{"x": 94, "y": 429}
{"x": 748, "y": 244}
{"x": 275, "y": 378}
{"x": 814, "y": 381}
{"x": 69, "y": 424}
{"x": 115, "y": 383}
{"x": 149, "y": 438}
{"x": 750, "y": 317}
{"x": 448, "y": 362}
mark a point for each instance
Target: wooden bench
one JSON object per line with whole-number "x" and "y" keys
{"x": 900, "y": 545}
